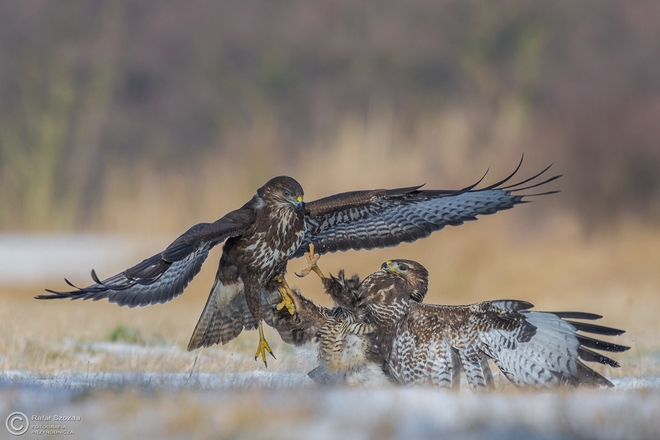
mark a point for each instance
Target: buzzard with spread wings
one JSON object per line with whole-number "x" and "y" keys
{"x": 428, "y": 343}
{"x": 275, "y": 226}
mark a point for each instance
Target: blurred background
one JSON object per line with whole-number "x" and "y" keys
{"x": 124, "y": 122}
{"x": 111, "y": 110}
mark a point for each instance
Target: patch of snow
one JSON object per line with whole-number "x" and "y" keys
{"x": 288, "y": 406}
{"x": 127, "y": 349}
{"x": 77, "y": 381}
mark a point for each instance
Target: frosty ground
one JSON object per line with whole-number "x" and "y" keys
{"x": 126, "y": 373}
{"x": 287, "y": 404}
{"x": 279, "y": 405}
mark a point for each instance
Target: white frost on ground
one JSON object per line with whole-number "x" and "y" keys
{"x": 289, "y": 406}
{"x": 123, "y": 350}
{"x": 77, "y": 381}
{"x": 80, "y": 381}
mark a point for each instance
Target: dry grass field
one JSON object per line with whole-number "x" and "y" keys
{"x": 126, "y": 373}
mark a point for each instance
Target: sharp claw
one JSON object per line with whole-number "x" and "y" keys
{"x": 287, "y": 300}
{"x": 263, "y": 347}
{"x": 312, "y": 258}
{"x": 288, "y": 305}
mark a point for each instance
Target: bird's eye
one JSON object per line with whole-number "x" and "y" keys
{"x": 403, "y": 267}
{"x": 286, "y": 193}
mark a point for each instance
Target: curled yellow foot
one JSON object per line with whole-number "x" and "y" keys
{"x": 263, "y": 347}
{"x": 312, "y": 259}
{"x": 286, "y": 293}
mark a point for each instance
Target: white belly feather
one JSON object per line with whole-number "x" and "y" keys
{"x": 223, "y": 294}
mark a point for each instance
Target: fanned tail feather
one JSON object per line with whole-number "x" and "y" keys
{"x": 223, "y": 324}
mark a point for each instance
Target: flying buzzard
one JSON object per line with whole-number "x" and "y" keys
{"x": 275, "y": 226}
{"x": 418, "y": 343}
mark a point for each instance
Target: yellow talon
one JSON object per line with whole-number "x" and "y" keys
{"x": 312, "y": 259}
{"x": 263, "y": 347}
{"x": 286, "y": 293}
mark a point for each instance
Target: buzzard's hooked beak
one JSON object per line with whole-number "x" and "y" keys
{"x": 388, "y": 267}
{"x": 299, "y": 202}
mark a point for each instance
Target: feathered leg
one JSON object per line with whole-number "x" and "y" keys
{"x": 253, "y": 297}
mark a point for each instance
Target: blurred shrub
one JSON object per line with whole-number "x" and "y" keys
{"x": 122, "y": 333}
{"x": 90, "y": 91}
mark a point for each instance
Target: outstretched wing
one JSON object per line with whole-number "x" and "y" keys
{"x": 383, "y": 218}
{"x": 536, "y": 349}
{"x": 163, "y": 276}
{"x": 545, "y": 349}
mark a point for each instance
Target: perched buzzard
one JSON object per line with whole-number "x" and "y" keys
{"x": 423, "y": 343}
{"x": 275, "y": 226}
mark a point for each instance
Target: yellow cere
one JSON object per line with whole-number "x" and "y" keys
{"x": 391, "y": 268}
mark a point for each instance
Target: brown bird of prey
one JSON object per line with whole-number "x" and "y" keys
{"x": 348, "y": 352}
{"x": 275, "y": 226}
{"x": 382, "y": 330}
